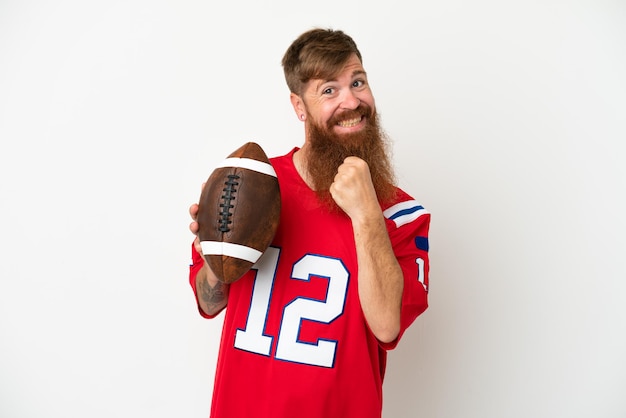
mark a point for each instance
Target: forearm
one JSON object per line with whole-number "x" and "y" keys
{"x": 212, "y": 294}
{"x": 380, "y": 278}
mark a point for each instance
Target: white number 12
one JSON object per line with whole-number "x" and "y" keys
{"x": 288, "y": 347}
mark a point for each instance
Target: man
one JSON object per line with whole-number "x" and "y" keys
{"x": 307, "y": 330}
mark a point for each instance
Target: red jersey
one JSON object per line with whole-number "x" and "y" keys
{"x": 295, "y": 342}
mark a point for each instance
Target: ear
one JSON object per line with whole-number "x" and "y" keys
{"x": 298, "y": 105}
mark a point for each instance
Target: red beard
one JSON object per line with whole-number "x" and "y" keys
{"x": 327, "y": 151}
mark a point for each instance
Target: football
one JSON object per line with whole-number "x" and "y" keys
{"x": 238, "y": 212}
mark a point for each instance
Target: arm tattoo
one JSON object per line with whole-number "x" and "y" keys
{"x": 213, "y": 297}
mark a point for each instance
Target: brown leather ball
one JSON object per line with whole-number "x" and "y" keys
{"x": 238, "y": 213}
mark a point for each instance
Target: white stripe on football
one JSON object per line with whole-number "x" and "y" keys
{"x": 250, "y": 164}
{"x": 231, "y": 250}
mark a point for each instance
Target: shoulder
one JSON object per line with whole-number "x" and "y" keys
{"x": 408, "y": 221}
{"x": 404, "y": 210}
{"x": 284, "y": 159}
{"x": 288, "y": 176}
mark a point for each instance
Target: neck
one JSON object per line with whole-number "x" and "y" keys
{"x": 299, "y": 161}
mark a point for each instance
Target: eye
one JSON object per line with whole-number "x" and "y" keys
{"x": 328, "y": 90}
{"x": 358, "y": 83}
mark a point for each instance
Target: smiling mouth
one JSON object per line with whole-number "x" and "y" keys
{"x": 349, "y": 123}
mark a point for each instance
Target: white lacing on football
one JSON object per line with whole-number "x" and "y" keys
{"x": 230, "y": 250}
{"x": 250, "y": 164}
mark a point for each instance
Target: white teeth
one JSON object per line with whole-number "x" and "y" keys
{"x": 349, "y": 123}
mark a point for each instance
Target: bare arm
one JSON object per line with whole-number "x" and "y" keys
{"x": 380, "y": 277}
{"x": 212, "y": 293}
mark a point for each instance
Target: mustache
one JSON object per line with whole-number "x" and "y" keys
{"x": 361, "y": 110}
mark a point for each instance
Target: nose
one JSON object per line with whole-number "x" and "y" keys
{"x": 350, "y": 100}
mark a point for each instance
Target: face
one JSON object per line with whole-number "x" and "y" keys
{"x": 341, "y": 105}
{"x": 341, "y": 121}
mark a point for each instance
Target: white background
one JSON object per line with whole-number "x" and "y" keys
{"x": 508, "y": 121}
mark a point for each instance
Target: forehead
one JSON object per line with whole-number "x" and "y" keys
{"x": 351, "y": 69}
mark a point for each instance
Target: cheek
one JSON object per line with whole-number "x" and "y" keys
{"x": 368, "y": 99}
{"x": 321, "y": 114}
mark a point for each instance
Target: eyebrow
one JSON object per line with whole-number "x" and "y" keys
{"x": 354, "y": 74}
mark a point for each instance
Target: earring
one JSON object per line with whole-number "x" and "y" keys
{"x": 301, "y": 117}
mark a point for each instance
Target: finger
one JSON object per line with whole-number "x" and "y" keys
{"x": 352, "y": 160}
{"x": 193, "y": 211}
{"x": 194, "y": 227}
